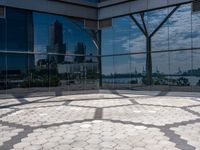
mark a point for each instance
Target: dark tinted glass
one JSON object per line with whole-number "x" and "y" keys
{"x": 38, "y": 74}
{"x": 2, "y": 34}
{"x": 3, "y": 83}
{"x": 17, "y": 74}
{"x": 19, "y": 30}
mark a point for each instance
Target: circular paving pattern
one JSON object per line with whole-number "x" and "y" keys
{"x": 110, "y": 121}
{"x": 95, "y": 136}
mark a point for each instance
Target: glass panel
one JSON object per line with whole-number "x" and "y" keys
{"x": 122, "y": 23}
{"x": 121, "y": 41}
{"x": 160, "y": 70}
{"x": 195, "y": 30}
{"x": 17, "y": 74}
{"x": 38, "y": 74}
{"x": 65, "y": 59}
{"x": 139, "y": 17}
{"x": 155, "y": 18}
{"x": 77, "y": 73}
{"x": 80, "y": 49}
{"x": 137, "y": 42}
{"x": 90, "y": 39}
{"x": 122, "y": 71}
{"x": 91, "y": 73}
{"x": 180, "y": 66}
{"x": 107, "y": 72}
{"x": 180, "y": 28}
{"x": 138, "y": 69}
{"x": 3, "y": 85}
{"x": 127, "y": 36}
{"x": 19, "y": 30}
{"x": 41, "y": 32}
{"x": 160, "y": 41}
{"x": 2, "y": 34}
{"x": 195, "y": 73}
{"x": 57, "y": 72}
{"x": 107, "y": 44}
{"x": 58, "y": 34}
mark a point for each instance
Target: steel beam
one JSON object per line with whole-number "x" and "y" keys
{"x": 67, "y": 8}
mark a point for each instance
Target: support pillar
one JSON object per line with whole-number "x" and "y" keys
{"x": 148, "y": 62}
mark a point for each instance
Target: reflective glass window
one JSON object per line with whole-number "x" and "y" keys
{"x": 17, "y": 73}
{"x": 122, "y": 71}
{"x": 2, "y": 35}
{"x": 39, "y": 73}
{"x": 3, "y": 82}
{"x": 180, "y": 28}
{"x": 19, "y": 27}
{"x": 107, "y": 44}
{"x": 180, "y": 70}
{"x": 62, "y": 35}
{"x": 138, "y": 69}
{"x": 160, "y": 70}
{"x": 108, "y": 72}
{"x": 195, "y": 30}
{"x": 195, "y": 72}
{"x": 91, "y": 73}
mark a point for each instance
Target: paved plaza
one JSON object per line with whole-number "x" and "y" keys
{"x": 108, "y": 120}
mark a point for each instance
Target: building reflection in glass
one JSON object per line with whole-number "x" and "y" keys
{"x": 173, "y": 51}
{"x": 42, "y": 52}
{"x": 62, "y": 55}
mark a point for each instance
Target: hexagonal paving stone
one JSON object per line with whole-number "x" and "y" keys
{"x": 5, "y": 111}
{"x": 101, "y": 103}
{"x": 190, "y": 133}
{"x": 39, "y": 105}
{"x": 196, "y": 109}
{"x": 6, "y": 133}
{"x": 7, "y": 102}
{"x": 88, "y": 96}
{"x": 50, "y": 115}
{"x": 121, "y": 137}
{"x": 168, "y": 101}
{"x": 155, "y": 115}
{"x": 137, "y": 94}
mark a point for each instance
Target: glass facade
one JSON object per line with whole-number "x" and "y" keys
{"x": 153, "y": 50}
{"x": 45, "y": 53}
{"x": 52, "y": 54}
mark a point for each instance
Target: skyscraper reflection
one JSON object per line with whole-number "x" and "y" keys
{"x": 56, "y": 44}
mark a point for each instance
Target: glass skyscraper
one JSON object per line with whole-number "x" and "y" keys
{"x": 53, "y": 52}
